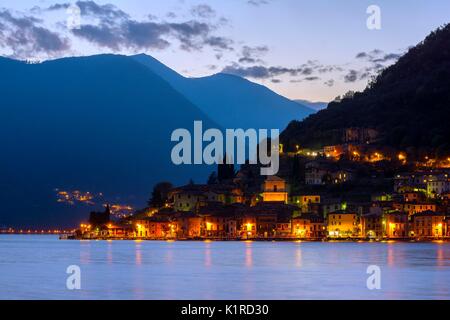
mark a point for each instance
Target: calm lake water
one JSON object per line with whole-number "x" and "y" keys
{"x": 34, "y": 267}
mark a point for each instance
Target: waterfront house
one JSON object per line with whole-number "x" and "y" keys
{"x": 247, "y": 226}
{"x": 395, "y": 224}
{"x": 266, "y": 224}
{"x": 447, "y": 226}
{"x": 428, "y": 224}
{"x": 119, "y": 230}
{"x": 156, "y": 227}
{"x": 283, "y": 227}
{"x": 308, "y": 226}
{"x": 343, "y": 224}
{"x": 188, "y": 225}
{"x": 219, "y": 220}
{"x": 372, "y": 225}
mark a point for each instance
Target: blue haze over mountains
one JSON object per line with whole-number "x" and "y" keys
{"x": 103, "y": 124}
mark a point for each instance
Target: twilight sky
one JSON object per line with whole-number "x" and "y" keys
{"x": 314, "y": 50}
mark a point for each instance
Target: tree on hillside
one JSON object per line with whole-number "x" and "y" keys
{"x": 212, "y": 179}
{"x": 225, "y": 171}
{"x": 296, "y": 178}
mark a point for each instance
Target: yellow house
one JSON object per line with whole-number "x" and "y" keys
{"x": 343, "y": 224}
{"x": 275, "y": 190}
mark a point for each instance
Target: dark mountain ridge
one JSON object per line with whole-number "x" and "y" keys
{"x": 408, "y": 103}
{"x": 100, "y": 124}
{"x": 232, "y": 101}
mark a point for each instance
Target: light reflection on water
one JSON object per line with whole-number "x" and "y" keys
{"x": 248, "y": 254}
{"x": 34, "y": 267}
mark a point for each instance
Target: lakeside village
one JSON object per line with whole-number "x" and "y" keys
{"x": 355, "y": 191}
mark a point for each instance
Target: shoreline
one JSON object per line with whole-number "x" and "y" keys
{"x": 345, "y": 240}
{"x": 324, "y": 240}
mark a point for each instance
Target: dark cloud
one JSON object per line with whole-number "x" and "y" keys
{"x": 311, "y": 78}
{"x": 247, "y": 60}
{"x": 329, "y": 83}
{"x": 307, "y": 71}
{"x": 148, "y": 35}
{"x": 276, "y": 81}
{"x": 378, "y": 56}
{"x": 355, "y": 75}
{"x": 376, "y": 59}
{"x": 327, "y": 69}
{"x": 116, "y": 30}
{"x": 108, "y": 13}
{"x": 171, "y": 15}
{"x": 220, "y": 42}
{"x": 192, "y": 34}
{"x": 203, "y": 11}
{"x": 361, "y": 55}
{"x": 252, "y": 55}
{"x": 131, "y": 34}
{"x": 101, "y": 35}
{"x": 351, "y": 76}
{"x": 257, "y": 3}
{"x": 257, "y": 72}
{"x": 26, "y": 37}
{"x": 388, "y": 57}
{"x": 262, "y": 72}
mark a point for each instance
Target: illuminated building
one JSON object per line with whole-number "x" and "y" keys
{"x": 429, "y": 224}
{"x": 437, "y": 185}
{"x": 395, "y": 224}
{"x": 275, "y": 190}
{"x": 372, "y": 226}
{"x": 308, "y": 226}
{"x": 156, "y": 227}
{"x": 413, "y": 208}
{"x": 343, "y": 224}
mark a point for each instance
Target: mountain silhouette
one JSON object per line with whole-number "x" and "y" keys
{"x": 232, "y": 101}
{"x": 408, "y": 103}
{"x": 100, "y": 124}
